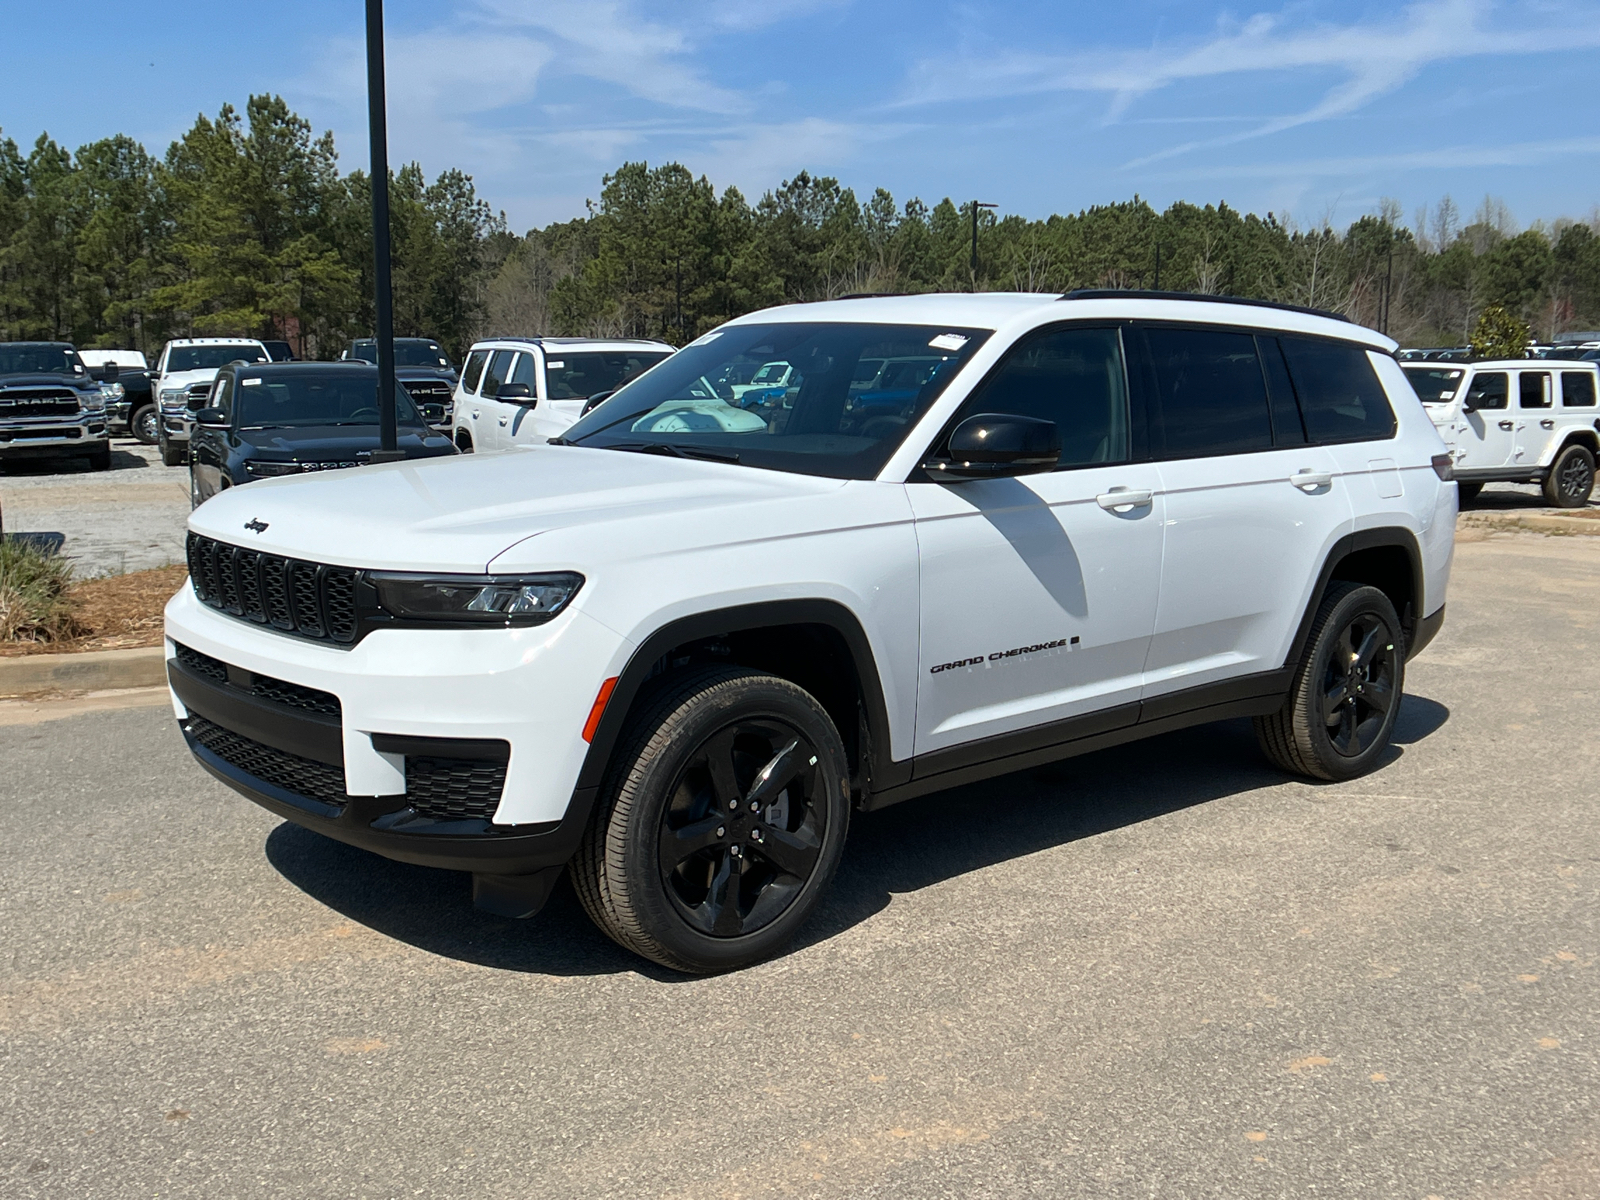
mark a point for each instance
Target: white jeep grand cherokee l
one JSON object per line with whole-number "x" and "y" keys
{"x": 672, "y": 651}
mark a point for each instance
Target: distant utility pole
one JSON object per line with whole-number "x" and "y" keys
{"x": 1388, "y": 289}
{"x": 976, "y": 205}
{"x": 377, "y": 124}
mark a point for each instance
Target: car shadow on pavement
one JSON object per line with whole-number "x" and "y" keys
{"x": 898, "y": 850}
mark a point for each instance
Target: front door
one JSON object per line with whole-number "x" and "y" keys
{"x": 493, "y": 416}
{"x": 1039, "y": 593}
{"x": 516, "y": 422}
{"x": 1486, "y": 435}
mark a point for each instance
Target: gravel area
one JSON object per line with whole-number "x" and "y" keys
{"x": 126, "y": 519}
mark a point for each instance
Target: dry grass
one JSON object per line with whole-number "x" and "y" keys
{"x": 114, "y": 613}
{"x": 35, "y": 600}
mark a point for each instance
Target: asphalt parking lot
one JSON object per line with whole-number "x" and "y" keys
{"x": 1162, "y": 970}
{"x": 125, "y": 519}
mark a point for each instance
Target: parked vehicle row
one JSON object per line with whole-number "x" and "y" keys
{"x": 672, "y": 651}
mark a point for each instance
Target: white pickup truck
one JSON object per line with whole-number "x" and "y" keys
{"x": 184, "y": 376}
{"x": 1516, "y": 421}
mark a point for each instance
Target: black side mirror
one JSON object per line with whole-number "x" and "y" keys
{"x": 595, "y": 401}
{"x": 515, "y": 393}
{"x": 211, "y": 418}
{"x": 1467, "y": 405}
{"x": 995, "y": 445}
{"x": 111, "y": 372}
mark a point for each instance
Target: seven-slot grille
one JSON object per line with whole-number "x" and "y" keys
{"x": 38, "y": 402}
{"x": 310, "y": 600}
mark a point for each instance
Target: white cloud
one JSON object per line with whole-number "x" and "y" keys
{"x": 1374, "y": 58}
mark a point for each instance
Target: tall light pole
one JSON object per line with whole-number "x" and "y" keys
{"x": 378, "y": 126}
{"x": 976, "y": 205}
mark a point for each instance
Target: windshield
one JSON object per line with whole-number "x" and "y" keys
{"x": 579, "y": 376}
{"x": 210, "y": 358}
{"x": 323, "y": 398}
{"x": 408, "y": 352}
{"x": 39, "y": 360}
{"x": 1434, "y": 385}
{"x": 812, "y": 422}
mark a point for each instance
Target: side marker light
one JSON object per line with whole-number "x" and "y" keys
{"x": 598, "y": 709}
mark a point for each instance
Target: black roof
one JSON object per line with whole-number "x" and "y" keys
{"x": 1142, "y": 294}
{"x": 302, "y": 368}
{"x": 373, "y": 341}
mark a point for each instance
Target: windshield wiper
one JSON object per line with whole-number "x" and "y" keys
{"x": 705, "y": 453}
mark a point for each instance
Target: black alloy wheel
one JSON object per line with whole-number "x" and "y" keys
{"x": 146, "y": 425}
{"x": 720, "y": 823}
{"x": 743, "y": 828}
{"x": 1571, "y": 478}
{"x": 1339, "y": 715}
{"x": 1358, "y": 684}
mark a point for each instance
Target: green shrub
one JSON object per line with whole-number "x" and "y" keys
{"x": 34, "y": 604}
{"x": 1499, "y": 335}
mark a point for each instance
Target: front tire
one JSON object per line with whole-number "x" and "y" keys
{"x": 1571, "y": 478}
{"x": 1342, "y": 706}
{"x": 720, "y": 823}
{"x": 100, "y": 460}
{"x": 145, "y": 425}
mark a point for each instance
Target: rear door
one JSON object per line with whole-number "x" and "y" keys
{"x": 1251, "y": 507}
{"x": 518, "y": 423}
{"x": 1535, "y": 417}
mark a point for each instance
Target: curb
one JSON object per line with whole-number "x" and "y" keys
{"x": 92, "y": 670}
{"x": 1502, "y": 522}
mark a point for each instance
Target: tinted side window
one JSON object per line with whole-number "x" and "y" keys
{"x": 1073, "y": 377}
{"x": 473, "y": 370}
{"x": 1533, "y": 388}
{"x": 1287, "y": 429}
{"x": 524, "y": 372}
{"x": 1577, "y": 389}
{"x": 1340, "y": 396}
{"x": 1489, "y": 391}
{"x": 495, "y": 374}
{"x": 1210, "y": 397}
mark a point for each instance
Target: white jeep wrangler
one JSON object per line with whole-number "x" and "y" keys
{"x": 675, "y": 649}
{"x": 1516, "y": 421}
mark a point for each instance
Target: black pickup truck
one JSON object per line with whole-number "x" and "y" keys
{"x": 49, "y": 405}
{"x": 423, "y": 368}
{"x": 132, "y": 402}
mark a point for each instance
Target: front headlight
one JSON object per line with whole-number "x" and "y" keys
{"x": 173, "y": 398}
{"x": 94, "y": 401}
{"x": 268, "y": 470}
{"x": 113, "y": 391}
{"x": 477, "y": 599}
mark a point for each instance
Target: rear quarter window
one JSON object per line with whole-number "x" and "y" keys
{"x": 1341, "y": 399}
{"x": 1577, "y": 389}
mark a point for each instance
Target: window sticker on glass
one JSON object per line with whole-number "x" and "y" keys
{"x": 949, "y": 341}
{"x": 554, "y": 366}
{"x": 250, "y": 383}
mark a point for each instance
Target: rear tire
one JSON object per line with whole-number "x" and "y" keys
{"x": 1342, "y": 706}
{"x": 720, "y": 823}
{"x": 1571, "y": 478}
{"x": 1466, "y": 493}
{"x": 463, "y": 441}
{"x": 172, "y": 455}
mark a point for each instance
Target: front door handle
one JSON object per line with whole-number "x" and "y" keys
{"x": 474, "y": 414}
{"x": 1506, "y": 425}
{"x": 1120, "y": 499}
{"x": 1309, "y": 481}
{"x": 1547, "y": 423}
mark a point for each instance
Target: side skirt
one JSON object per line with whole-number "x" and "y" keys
{"x": 1251, "y": 696}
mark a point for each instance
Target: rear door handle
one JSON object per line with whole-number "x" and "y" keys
{"x": 1120, "y": 499}
{"x": 1310, "y": 481}
{"x": 1505, "y": 424}
{"x": 1547, "y": 423}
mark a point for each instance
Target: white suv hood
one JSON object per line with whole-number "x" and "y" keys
{"x": 457, "y": 514}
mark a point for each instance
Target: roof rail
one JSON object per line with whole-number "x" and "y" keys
{"x": 1141, "y": 294}
{"x": 871, "y": 295}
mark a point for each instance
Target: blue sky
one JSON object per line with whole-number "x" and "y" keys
{"x": 1311, "y": 109}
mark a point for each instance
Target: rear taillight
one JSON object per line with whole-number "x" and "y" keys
{"x": 1444, "y": 467}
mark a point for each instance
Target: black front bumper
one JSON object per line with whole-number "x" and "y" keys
{"x": 513, "y": 866}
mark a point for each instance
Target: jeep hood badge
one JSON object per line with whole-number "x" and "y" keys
{"x": 256, "y": 525}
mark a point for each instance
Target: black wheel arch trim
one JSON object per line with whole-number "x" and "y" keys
{"x": 1389, "y": 536}
{"x": 876, "y": 766}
